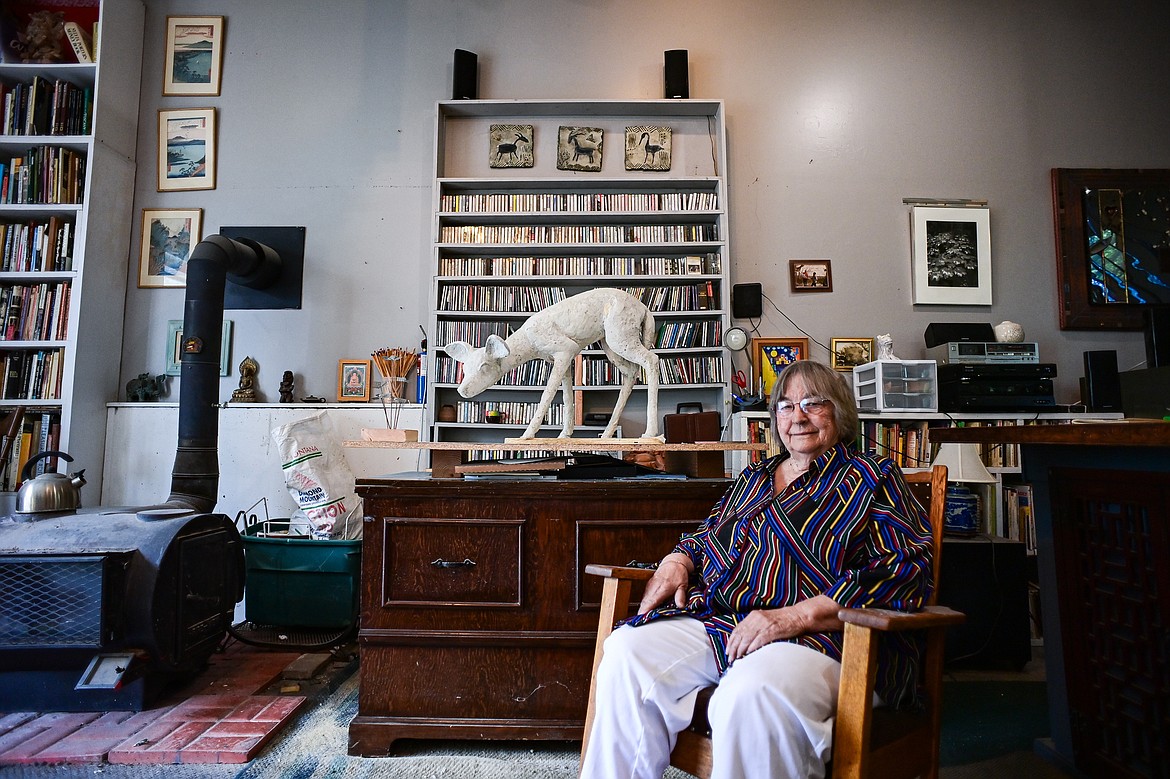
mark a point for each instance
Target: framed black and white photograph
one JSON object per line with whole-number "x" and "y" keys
{"x": 847, "y": 353}
{"x": 951, "y": 255}
{"x": 510, "y": 146}
{"x": 194, "y": 55}
{"x": 647, "y": 148}
{"x": 168, "y": 236}
{"x": 579, "y": 148}
{"x": 174, "y": 364}
{"x": 186, "y": 149}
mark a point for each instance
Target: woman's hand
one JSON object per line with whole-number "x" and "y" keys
{"x": 669, "y": 581}
{"x": 763, "y": 626}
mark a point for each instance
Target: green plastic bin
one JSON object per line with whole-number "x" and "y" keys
{"x": 300, "y": 582}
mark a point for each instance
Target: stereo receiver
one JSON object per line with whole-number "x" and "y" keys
{"x": 984, "y": 352}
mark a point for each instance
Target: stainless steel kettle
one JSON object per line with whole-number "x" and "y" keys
{"x": 49, "y": 491}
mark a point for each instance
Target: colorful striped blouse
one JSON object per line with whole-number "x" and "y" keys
{"x": 849, "y": 528}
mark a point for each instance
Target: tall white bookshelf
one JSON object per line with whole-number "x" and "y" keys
{"x": 83, "y": 352}
{"x": 509, "y": 241}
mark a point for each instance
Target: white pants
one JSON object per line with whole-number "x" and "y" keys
{"x": 771, "y": 716}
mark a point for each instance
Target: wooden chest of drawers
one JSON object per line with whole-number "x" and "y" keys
{"x": 477, "y": 619}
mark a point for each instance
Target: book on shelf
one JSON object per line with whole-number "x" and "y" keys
{"x": 81, "y": 41}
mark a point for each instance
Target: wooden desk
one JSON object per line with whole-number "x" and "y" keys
{"x": 1102, "y": 507}
{"x": 477, "y": 619}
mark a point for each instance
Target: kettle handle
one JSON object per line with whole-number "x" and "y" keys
{"x": 26, "y": 472}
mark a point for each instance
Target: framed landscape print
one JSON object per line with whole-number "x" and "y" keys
{"x": 951, "y": 255}
{"x": 186, "y": 149}
{"x": 175, "y": 348}
{"x": 810, "y": 275}
{"x": 770, "y": 355}
{"x": 194, "y": 55}
{"x": 353, "y": 380}
{"x": 846, "y": 353}
{"x": 168, "y": 236}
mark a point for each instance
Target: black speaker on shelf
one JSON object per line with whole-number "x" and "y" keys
{"x": 1102, "y": 390}
{"x": 465, "y": 76}
{"x": 675, "y": 77}
{"x": 1157, "y": 336}
{"x": 746, "y": 301}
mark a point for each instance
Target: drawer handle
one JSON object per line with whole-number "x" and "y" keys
{"x": 464, "y": 563}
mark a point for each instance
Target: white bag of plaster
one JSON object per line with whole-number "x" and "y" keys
{"x": 319, "y": 478}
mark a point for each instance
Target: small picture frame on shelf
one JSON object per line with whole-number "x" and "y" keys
{"x": 770, "y": 355}
{"x": 579, "y": 148}
{"x": 186, "y": 149}
{"x": 168, "y": 236}
{"x": 353, "y": 381}
{"x": 174, "y": 365}
{"x": 845, "y": 353}
{"x": 193, "y": 61}
{"x": 951, "y": 255}
{"x": 510, "y": 146}
{"x": 647, "y": 148}
{"x": 811, "y": 275}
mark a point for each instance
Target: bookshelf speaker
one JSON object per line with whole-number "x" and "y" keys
{"x": 465, "y": 76}
{"x": 746, "y": 301}
{"x": 1102, "y": 382}
{"x": 674, "y": 74}
{"x": 1157, "y": 336}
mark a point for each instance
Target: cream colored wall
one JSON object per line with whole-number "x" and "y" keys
{"x": 836, "y": 112}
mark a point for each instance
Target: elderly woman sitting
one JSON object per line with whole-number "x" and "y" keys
{"x": 750, "y": 601}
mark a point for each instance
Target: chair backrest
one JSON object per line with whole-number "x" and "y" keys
{"x": 930, "y": 488}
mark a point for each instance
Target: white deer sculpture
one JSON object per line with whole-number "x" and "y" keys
{"x": 557, "y": 334}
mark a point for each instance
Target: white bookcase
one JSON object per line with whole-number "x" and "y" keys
{"x": 78, "y": 361}
{"x": 905, "y": 438}
{"x": 510, "y": 241}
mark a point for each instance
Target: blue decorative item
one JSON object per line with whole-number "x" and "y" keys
{"x": 962, "y": 515}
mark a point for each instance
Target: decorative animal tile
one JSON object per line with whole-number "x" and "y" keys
{"x": 579, "y": 148}
{"x": 510, "y": 146}
{"x": 647, "y": 148}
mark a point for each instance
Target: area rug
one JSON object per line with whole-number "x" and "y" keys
{"x": 985, "y": 719}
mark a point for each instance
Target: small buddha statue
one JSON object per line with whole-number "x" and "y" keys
{"x": 247, "y": 391}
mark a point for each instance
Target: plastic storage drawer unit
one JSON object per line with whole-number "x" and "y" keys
{"x": 896, "y": 385}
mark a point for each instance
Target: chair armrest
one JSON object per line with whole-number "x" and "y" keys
{"x": 889, "y": 620}
{"x": 619, "y": 572}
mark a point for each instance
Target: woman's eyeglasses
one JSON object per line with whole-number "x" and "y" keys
{"x": 810, "y": 406}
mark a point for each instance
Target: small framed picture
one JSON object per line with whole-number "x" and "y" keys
{"x": 353, "y": 380}
{"x": 770, "y": 355}
{"x": 647, "y": 148}
{"x": 846, "y": 353}
{"x": 168, "y": 236}
{"x": 811, "y": 275}
{"x": 175, "y": 348}
{"x": 951, "y": 255}
{"x": 186, "y": 149}
{"x": 510, "y": 146}
{"x": 579, "y": 148}
{"x": 194, "y": 55}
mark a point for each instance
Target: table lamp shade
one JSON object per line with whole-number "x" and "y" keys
{"x": 963, "y": 463}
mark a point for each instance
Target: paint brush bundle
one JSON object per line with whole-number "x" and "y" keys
{"x": 395, "y": 365}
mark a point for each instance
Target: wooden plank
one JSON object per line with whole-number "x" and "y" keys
{"x": 1111, "y": 433}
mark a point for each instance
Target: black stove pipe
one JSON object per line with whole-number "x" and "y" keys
{"x": 214, "y": 260}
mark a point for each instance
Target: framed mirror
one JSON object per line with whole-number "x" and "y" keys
{"x": 1112, "y": 245}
